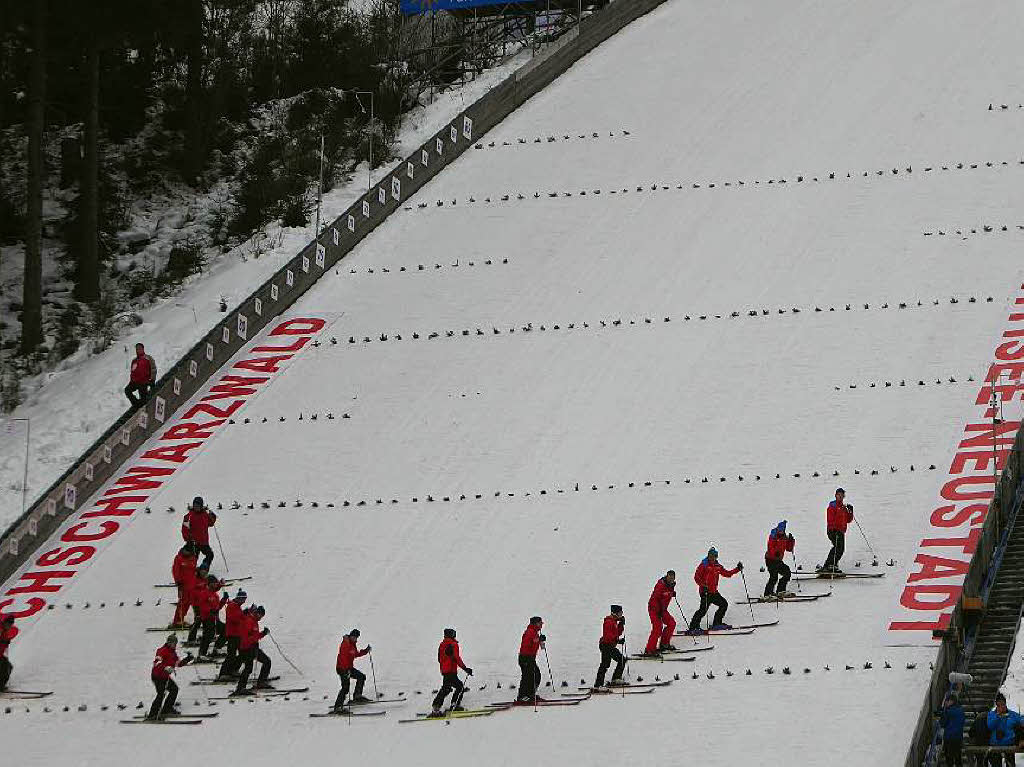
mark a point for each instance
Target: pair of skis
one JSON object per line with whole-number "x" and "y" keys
{"x": 741, "y": 630}
{"x": 227, "y": 582}
{"x": 347, "y": 710}
{"x": 830, "y": 576}
{"x": 24, "y": 694}
{"x": 791, "y": 598}
{"x": 172, "y": 719}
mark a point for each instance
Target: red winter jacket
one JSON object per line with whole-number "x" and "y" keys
{"x": 196, "y": 526}
{"x": 198, "y": 594}
{"x": 233, "y": 616}
{"x": 837, "y": 517}
{"x": 165, "y": 662}
{"x": 612, "y": 629}
{"x": 778, "y": 545}
{"x": 347, "y": 653}
{"x": 6, "y": 637}
{"x": 143, "y": 370}
{"x": 250, "y": 634}
{"x": 210, "y": 605}
{"x": 531, "y": 641}
{"x": 661, "y": 597}
{"x": 448, "y": 656}
{"x": 707, "y": 574}
{"x": 183, "y": 571}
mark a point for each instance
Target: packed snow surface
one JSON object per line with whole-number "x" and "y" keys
{"x": 709, "y": 94}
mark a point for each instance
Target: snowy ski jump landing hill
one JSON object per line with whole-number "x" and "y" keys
{"x": 588, "y": 393}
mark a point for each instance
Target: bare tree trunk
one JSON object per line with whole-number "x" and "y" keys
{"x": 32, "y": 300}
{"x": 195, "y": 153}
{"x": 87, "y": 287}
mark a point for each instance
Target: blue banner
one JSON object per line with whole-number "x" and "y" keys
{"x": 414, "y": 7}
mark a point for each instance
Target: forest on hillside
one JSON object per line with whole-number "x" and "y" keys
{"x": 205, "y": 117}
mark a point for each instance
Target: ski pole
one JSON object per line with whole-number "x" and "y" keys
{"x": 373, "y": 672}
{"x": 202, "y": 685}
{"x": 286, "y": 660}
{"x": 874, "y": 556}
{"x": 749, "y": 603}
{"x": 219, "y": 546}
{"x": 548, "y": 661}
{"x": 793, "y": 555}
{"x": 683, "y": 616}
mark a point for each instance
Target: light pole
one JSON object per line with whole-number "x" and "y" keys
{"x": 369, "y": 170}
{"x": 28, "y": 438}
{"x": 320, "y": 187}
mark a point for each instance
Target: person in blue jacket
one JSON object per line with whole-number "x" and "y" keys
{"x": 952, "y": 719}
{"x": 1002, "y": 726}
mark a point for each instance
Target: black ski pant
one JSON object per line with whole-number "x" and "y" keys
{"x": 952, "y": 753}
{"x": 530, "y": 680}
{"x": 231, "y": 663}
{"x": 5, "y": 672}
{"x": 450, "y": 682}
{"x": 838, "y": 538}
{"x": 706, "y": 600}
{"x": 162, "y": 706}
{"x": 609, "y": 653}
{"x": 777, "y": 571}
{"x": 345, "y": 676}
{"x": 207, "y": 553}
{"x": 213, "y": 631}
{"x": 248, "y": 658}
{"x": 142, "y": 389}
{"x": 193, "y": 630}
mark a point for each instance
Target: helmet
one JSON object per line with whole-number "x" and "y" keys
{"x": 449, "y": 633}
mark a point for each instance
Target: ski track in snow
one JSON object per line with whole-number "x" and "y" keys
{"x": 731, "y": 91}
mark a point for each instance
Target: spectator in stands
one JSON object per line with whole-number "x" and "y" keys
{"x": 142, "y": 378}
{"x": 1003, "y": 725}
{"x": 952, "y": 718}
{"x": 979, "y": 736}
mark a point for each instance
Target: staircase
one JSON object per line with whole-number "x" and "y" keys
{"x": 997, "y": 633}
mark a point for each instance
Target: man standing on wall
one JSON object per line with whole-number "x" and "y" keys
{"x": 141, "y": 378}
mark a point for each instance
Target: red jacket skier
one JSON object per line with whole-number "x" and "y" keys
{"x": 195, "y": 528}
{"x": 164, "y": 663}
{"x": 779, "y": 542}
{"x": 663, "y": 625}
{"x": 611, "y": 637}
{"x": 345, "y": 666}
{"x": 838, "y": 515}
{"x": 233, "y": 618}
{"x": 530, "y": 644}
{"x": 183, "y": 571}
{"x": 706, "y": 577}
{"x": 450, "y": 661}
{"x": 7, "y": 634}
{"x": 250, "y": 652}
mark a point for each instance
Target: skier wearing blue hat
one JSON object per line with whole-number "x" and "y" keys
{"x": 779, "y": 542}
